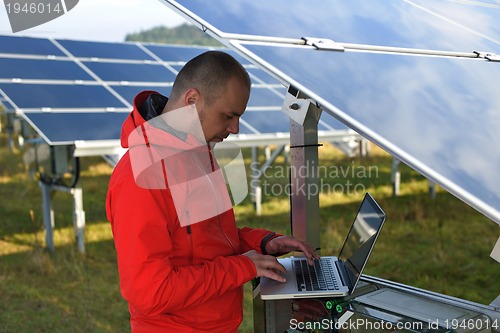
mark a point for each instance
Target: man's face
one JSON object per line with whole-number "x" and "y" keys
{"x": 222, "y": 117}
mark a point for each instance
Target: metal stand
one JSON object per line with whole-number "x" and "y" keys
{"x": 259, "y": 171}
{"x": 48, "y": 214}
{"x": 304, "y": 178}
{"x": 376, "y": 305}
{"x": 396, "y": 180}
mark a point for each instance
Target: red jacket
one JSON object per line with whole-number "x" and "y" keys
{"x": 175, "y": 279}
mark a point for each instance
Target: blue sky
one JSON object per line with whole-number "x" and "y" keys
{"x": 100, "y": 20}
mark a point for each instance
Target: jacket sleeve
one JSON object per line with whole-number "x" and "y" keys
{"x": 255, "y": 239}
{"x": 148, "y": 280}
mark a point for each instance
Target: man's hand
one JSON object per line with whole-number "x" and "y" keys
{"x": 285, "y": 244}
{"x": 267, "y": 266}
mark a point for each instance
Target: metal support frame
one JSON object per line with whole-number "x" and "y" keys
{"x": 9, "y": 128}
{"x": 396, "y": 180}
{"x": 304, "y": 180}
{"x": 48, "y": 214}
{"x": 259, "y": 171}
{"x": 51, "y": 181}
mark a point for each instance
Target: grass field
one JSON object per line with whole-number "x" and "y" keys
{"x": 439, "y": 244}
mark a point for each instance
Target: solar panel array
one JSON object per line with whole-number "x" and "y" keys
{"x": 72, "y": 91}
{"x": 420, "y": 78}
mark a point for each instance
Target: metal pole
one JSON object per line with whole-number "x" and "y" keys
{"x": 304, "y": 179}
{"x": 395, "y": 177}
{"x": 78, "y": 218}
{"x": 48, "y": 214}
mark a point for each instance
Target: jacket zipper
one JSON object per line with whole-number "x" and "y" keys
{"x": 190, "y": 241}
{"x": 212, "y": 165}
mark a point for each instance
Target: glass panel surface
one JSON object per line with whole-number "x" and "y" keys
{"x": 176, "y": 53}
{"x": 104, "y": 50}
{"x": 480, "y": 16}
{"x": 41, "y": 69}
{"x": 131, "y": 72}
{"x": 60, "y": 96}
{"x": 259, "y": 76}
{"x": 267, "y": 121}
{"x": 265, "y": 97}
{"x": 27, "y": 45}
{"x": 69, "y": 127}
{"x": 327, "y": 122}
{"x": 5, "y": 106}
{"x": 439, "y": 115}
{"x": 395, "y": 23}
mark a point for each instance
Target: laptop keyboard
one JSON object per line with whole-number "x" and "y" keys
{"x": 319, "y": 277}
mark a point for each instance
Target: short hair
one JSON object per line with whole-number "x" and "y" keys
{"x": 209, "y": 72}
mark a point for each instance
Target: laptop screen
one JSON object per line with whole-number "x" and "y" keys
{"x": 361, "y": 239}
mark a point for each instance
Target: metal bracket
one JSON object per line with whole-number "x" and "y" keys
{"x": 495, "y": 253}
{"x": 295, "y": 108}
{"x": 488, "y": 56}
{"x": 324, "y": 44}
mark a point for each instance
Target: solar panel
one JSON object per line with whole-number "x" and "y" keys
{"x": 479, "y": 16}
{"x": 175, "y": 53}
{"x": 31, "y": 46}
{"x": 74, "y": 126}
{"x": 87, "y": 49}
{"x": 267, "y": 121}
{"x": 63, "y": 77}
{"x": 263, "y": 96}
{"x": 39, "y": 69}
{"x": 438, "y": 114}
{"x": 131, "y": 72}
{"x": 129, "y": 92}
{"x": 389, "y": 23}
{"x": 46, "y": 97}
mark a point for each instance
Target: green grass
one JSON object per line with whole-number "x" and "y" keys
{"x": 437, "y": 244}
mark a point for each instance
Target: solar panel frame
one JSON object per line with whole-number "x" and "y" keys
{"x": 436, "y": 35}
{"x": 400, "y": 24}
{"x": 28, "y": 46}
{"x": 99, "y": 87}
{"x": 104, "y": 50}
{"x": 453, "y": 177}
{"x": 96, "y": 126}
{"x": 42, "y": 69}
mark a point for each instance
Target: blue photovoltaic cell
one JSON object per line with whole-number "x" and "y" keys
{"x": 60, "y": 96}
{"x": 386, "y": 23}
{"x": 129, "y": 92}
{"x": 104, "y": 50}
{"x": 28, "y": 45}
{"x": 68, "y": 127}
{"x": 238, "y": 57}
{"x": 41, "y": 69}
{"x": 177, "y": 67}
{"x": 131, "y": 72}
{"x": 173, "y": 53}
{"x": 439, "y": 115}
{"x": 327, "y": 122}
{"x": 267, "y": 121}
{"x": 6, "y": 105}
{"x": 244, "y": 129}
{"x": 262, "y": 76}
{"x": 265, "y": 97}
{"x": 478, "y": 16}
{"x": 72, "y": 97}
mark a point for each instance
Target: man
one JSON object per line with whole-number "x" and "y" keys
{"x": 179, "y": 277}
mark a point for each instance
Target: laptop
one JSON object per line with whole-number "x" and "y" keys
{"x": 331, "y": 276}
